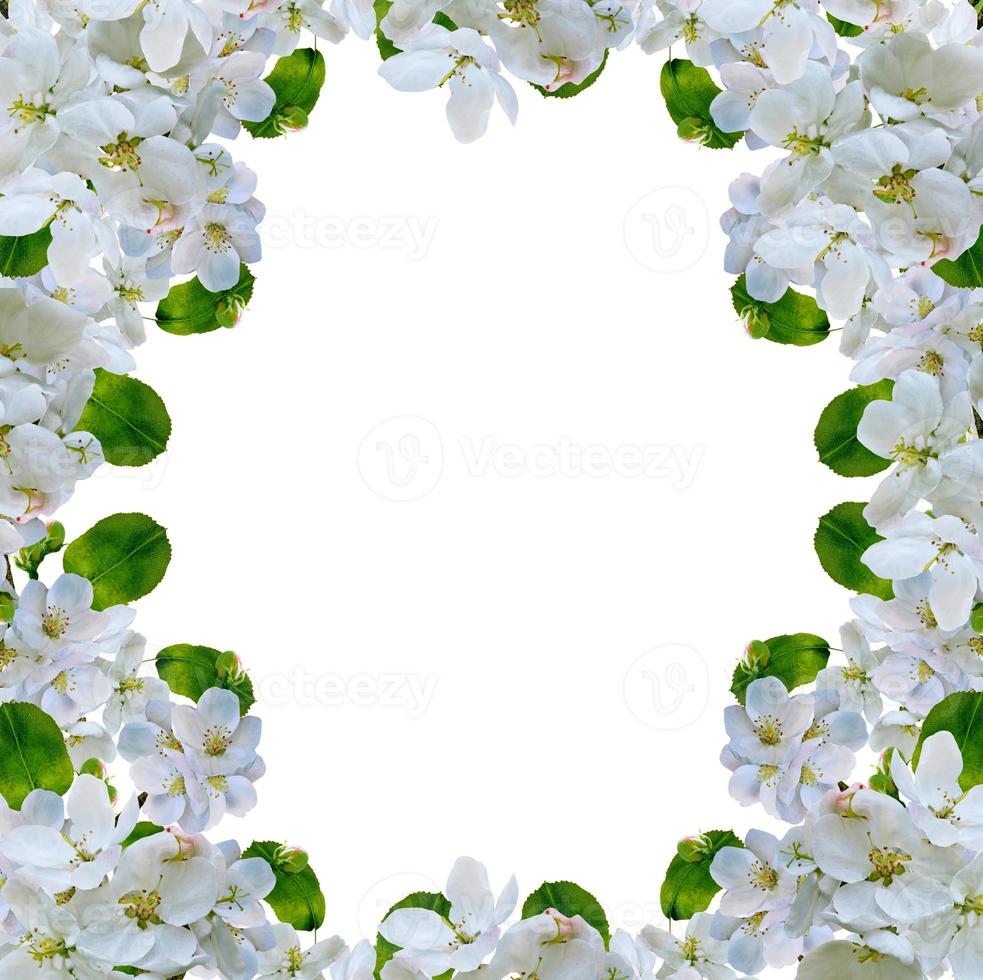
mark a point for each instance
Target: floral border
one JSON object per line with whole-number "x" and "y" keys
{"x": 115, "y": 193}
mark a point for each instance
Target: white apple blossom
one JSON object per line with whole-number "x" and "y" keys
{"x": 467, "y": 65}
{"x": 463, "y": 939}
{"x": 945, "y": 547}
{"x": 938, "y": 806}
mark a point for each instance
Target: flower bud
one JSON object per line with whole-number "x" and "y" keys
{"x": 228, "y": 666}
{"x": 291, "y": 860}
{"x": 693, "y": 850}
{"x": 290, "y": 119}
{"x": 93, "y": 767}
{"x": 692, "y": 129}
{"x": 56, "y": 536}
{"x": 756, "y": 656}
{"x": 757, "y": 323}
{"x": 228, "y": 311}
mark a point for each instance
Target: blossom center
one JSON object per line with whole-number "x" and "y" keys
{"x": 29, "y": 112}
{"x": 55, "y": 622}
{"x": 216, "y": 740}
{"x": 217, "y": 237}
{"x": 931, "y": 363}
{"x": 762, "y": 876}
{"x": 769, "y": 730}
{"x": 895, "y": 187}
{"x": 142, "y": 906}
{"x": 121, "y": 155}
{"x": 887, "y": 863}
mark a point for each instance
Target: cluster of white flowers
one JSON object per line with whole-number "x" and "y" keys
{"x": 878, "y": 179}
{"x": 79, "y": 895}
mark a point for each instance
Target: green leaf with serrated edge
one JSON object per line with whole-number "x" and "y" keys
{"x": 964, "y": 271}
{"x": 794, "y": 660}
{"x": 24, "y": 255}
{"x": 191, "y": 670}
{"x": 128, "y": 418}
{"x": 143, "y": 829}
{"x": 570, "y": 900}
{"x": 190, "y": 308}
{"x": 962, "y": 715}
{"x": 688, "y": 92}
{"x": 435, "y": 902}
{"x": 836, "y": 434}
{"x": 32, "y": 754}
{"x": 841, "y": 538}
{"x": 569, "y": 90}
{"x": 124, "y": 557}
{"x": 296, "y": 80}
{"x": 295, "y": 899}
{"x": 844, "y": 28}
{"x": 794, "y": 319}
{"x": 689, "y": 888}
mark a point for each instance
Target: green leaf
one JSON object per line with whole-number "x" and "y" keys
{"x": 844, "y": 28}
{"x": 841, "y": 538}
{"x": 794, "y": 319}
{"x": 434, "y": 901}
{"x": 143, "y": 829}
{"x": 190, "y": 308}
{"x": 24, "y": 255}
{"x": 961, "y": 714}
{"x": 191, "y": 670}
{"x": 794, "y": 660}
{"x": 386, "y": 47}
{"x": 32, "y": 754}
{"x": 296, "y": 898}
{"x": 570, "y": 900}
{"x": 965, "y": 271}
{"x": 296, "y": 80}
{"x": 124, "y": 557}
{"x": 688, "y": 888}
{"x": 128, "y": 418}
{"x": 836, "y": 434}
{"x": 569, "y": 90}
{"x": 688, "y": 92}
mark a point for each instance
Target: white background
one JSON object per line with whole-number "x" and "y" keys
{"x": 525, "y": 585}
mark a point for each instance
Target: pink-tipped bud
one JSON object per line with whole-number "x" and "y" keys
{"x": 291, "y": 860}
